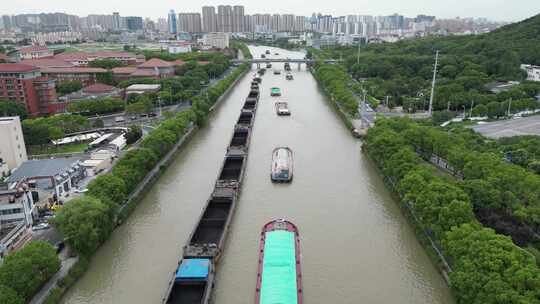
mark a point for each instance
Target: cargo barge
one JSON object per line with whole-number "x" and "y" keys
{"x": 282, "y": 165}
{"x": 282, "y": 109}
{"x": 193, "y": 278}
{"x": 279, "y": 275}
{"x": 191, "y": 283}
{"x": 275, "y": 91}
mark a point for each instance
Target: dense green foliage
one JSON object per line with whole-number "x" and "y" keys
{"x": 9, "y": 296}
{"x": 106, "y": 63}
{"x": 486, "y": 267}
{"x": 96, "y": 106}
{"x": 40, "y": 131}
{"x": 335, "y": 82}
{"x": 12, "y": 108}
{"x": 26, "y": 270}
{"x": 86, "y": 222}
{"x": 192, "y": 56}
{"x": 238, "y": 45}
{"x": 134, "y": 133}
{"x": 67, "y": 87}
{"x": 403, "y": 70}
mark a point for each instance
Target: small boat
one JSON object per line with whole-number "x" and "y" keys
{"x": 282, "y": 109}
{"x": 268, "y": 65}
{"x": 275, "y": 91}
{"x": 277, "y": 72}
{"x": 279, "y": 275}
{"x": 289, "y": 76}
{"x": 282, "y": 165}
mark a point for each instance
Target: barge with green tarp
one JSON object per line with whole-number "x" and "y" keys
{"x": 279, "y": 276}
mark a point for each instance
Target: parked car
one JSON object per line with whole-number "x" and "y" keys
{"x": 59, "y": 246}
{"x": 119, "y": 119}
{"x": 41, "y": 226}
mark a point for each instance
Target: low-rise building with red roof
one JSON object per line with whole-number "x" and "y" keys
{"x": 35, "y": 52}
{"x": 92, "y": 92}
{"x": 87, "y": 76}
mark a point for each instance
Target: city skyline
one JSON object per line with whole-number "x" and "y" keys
{"x": 473, "y": 8}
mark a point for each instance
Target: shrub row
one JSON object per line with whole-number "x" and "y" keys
{"x": 335, "y": 81}
{"x": 486, "y": 267}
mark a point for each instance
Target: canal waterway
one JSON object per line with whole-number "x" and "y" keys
{"x": 357, "y": 247}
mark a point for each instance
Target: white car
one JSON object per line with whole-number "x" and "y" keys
{"x": 41, "y": 226}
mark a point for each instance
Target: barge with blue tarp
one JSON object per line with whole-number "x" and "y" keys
{"x": 192, "y": 282}
{"x": 279, "y": 276}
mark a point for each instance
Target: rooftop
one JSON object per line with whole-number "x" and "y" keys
{"x": 145, "y": 73}
{"x": 98, "y": 88}
{"x": 42, "y": 167}
{"x": 156, "y": 63}
{"x": 123, "y": 70}
{"x": 73, "y": 70}
{"x": 142, "y": 87}
{"x": 17, "y": 68}
{"x": 33, "y": 48}
{"x": 47, "y": 63}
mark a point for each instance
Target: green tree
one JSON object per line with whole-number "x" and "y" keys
{"x": 68, "y": 87}
{"x": 85, "y": 223}
{"x": 109, "y": 189}
{"x": 12, "y": 108}
{"x": 9, "y": 296}
{"x": 26, "y": 270}
{"x": 133, "y": 134}
{"x": 106, "y": 63}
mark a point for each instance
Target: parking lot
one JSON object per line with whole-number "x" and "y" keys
{"x": 507, "y": 128}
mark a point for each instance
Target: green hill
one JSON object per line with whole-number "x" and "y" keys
{"x": 403, "y": 70}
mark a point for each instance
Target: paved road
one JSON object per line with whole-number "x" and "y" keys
{"x": 512, "y": 127}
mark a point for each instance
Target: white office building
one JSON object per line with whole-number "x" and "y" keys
{"x": 216, "y": 40}
{"x": 533, "y": 72}
{"x": 12, "y": 148}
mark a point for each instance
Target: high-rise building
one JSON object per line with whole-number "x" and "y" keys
{"x": 116, "y": 21}
{"x": 224, "y": 19}
{"x": 238, "y": 18}
{"x": 162, "y": 25}
{"x": 209, "y": 22}
{"x": 299, "y": 23}
{"x": 189, "y": 22}
{"x": 6, "y": 20}
{"x": 173, "y": 26}
{"x": 134, "y": 23}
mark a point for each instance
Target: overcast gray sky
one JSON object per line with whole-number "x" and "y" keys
{"x": 503, "y": 10}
